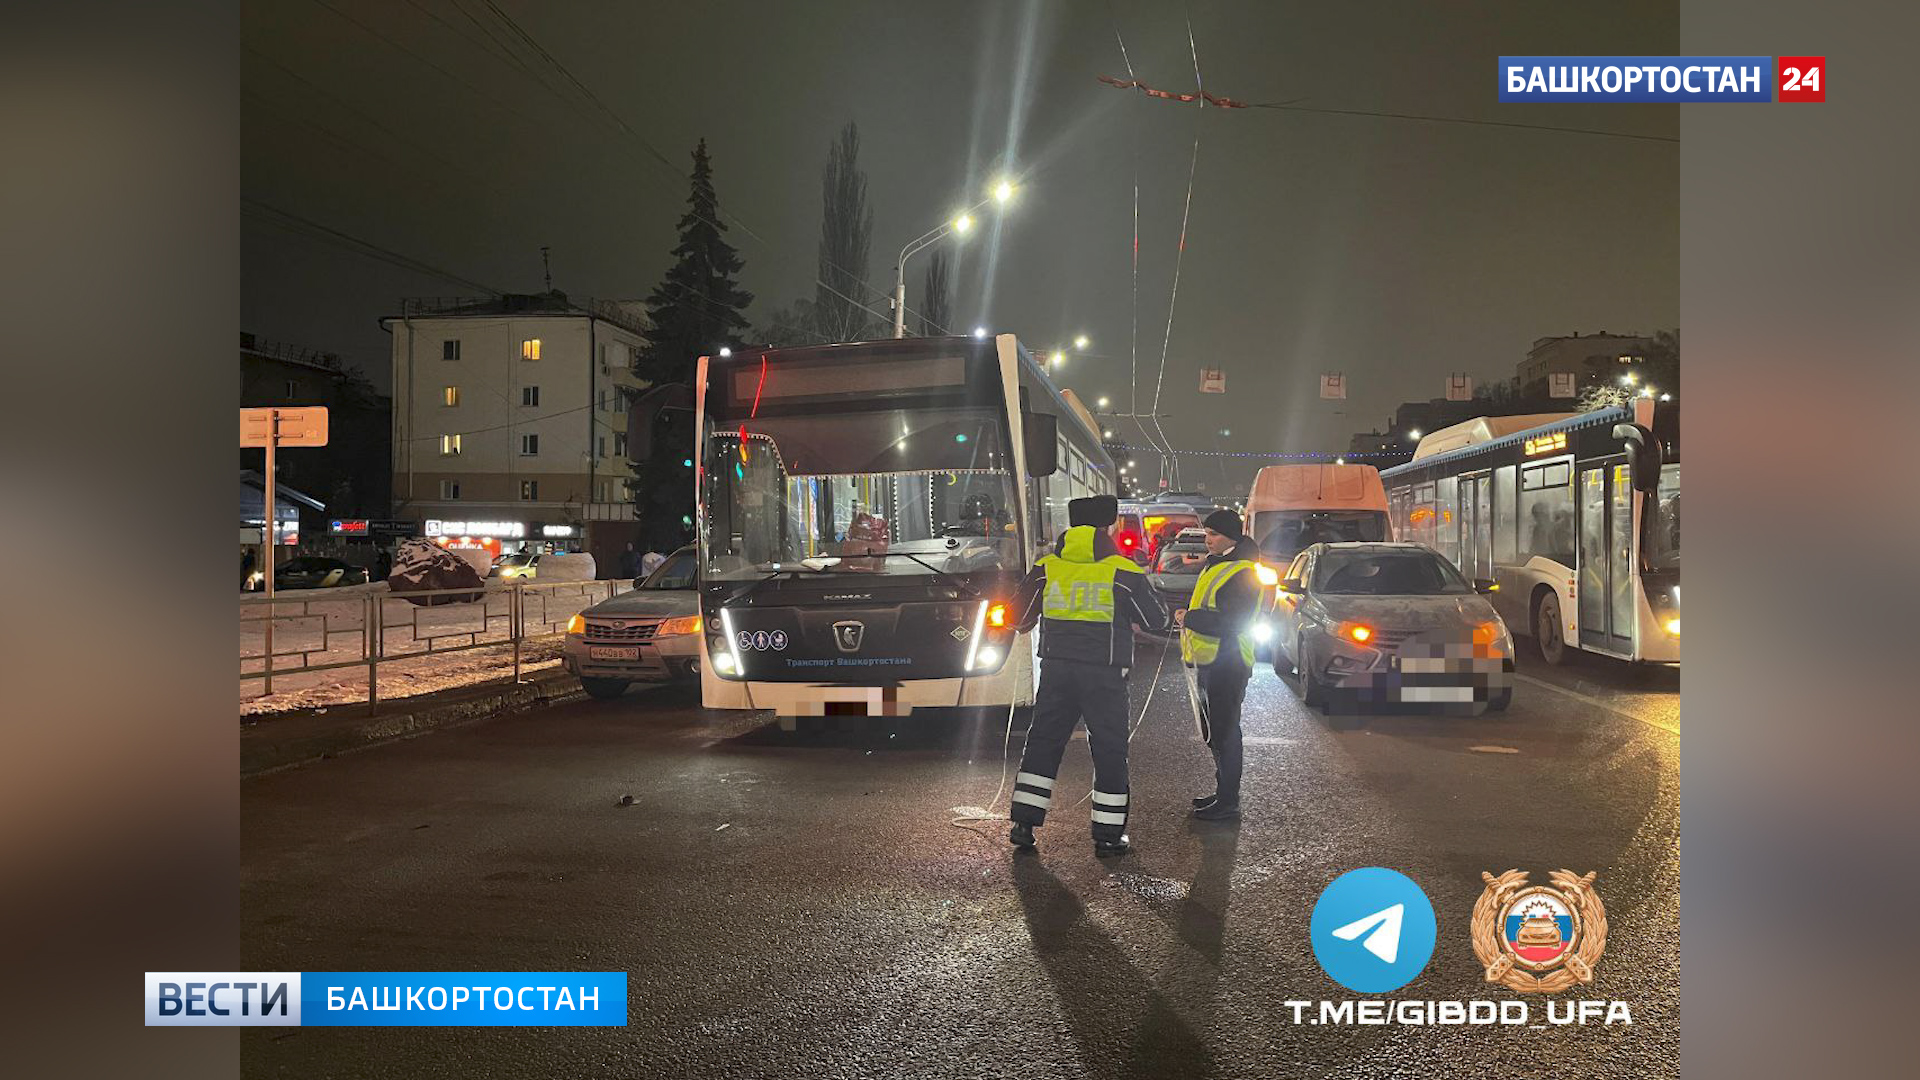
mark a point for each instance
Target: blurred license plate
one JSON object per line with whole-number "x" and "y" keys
{"x": 613, "y": 652}
{"x": 1421, "y": 665}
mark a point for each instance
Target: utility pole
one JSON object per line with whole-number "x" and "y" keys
{"x": 546, "y": 266}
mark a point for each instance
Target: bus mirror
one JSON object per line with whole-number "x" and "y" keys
{"x": 1042, "y": 436}
{"x": 1644, "y": 455}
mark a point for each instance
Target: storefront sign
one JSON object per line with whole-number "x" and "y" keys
{"x": 556, "y": 531}
{"x": 509, "y": 529}
{"x": 347, "y": 527}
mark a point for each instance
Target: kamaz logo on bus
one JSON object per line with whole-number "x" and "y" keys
{"x": 848, "y": 633}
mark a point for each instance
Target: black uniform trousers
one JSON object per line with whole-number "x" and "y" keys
{"x": 1070, "y": 691}
{"x": 1223, "y": 689}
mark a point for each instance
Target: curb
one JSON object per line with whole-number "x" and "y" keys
{"x": 271, "y": 747}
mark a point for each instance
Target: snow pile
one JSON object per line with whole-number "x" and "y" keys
{"x": 423, "y": 566}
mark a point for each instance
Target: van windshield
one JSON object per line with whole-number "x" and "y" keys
{"x": 1282, "y": 534}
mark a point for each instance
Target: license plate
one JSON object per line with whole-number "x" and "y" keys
{"x": 1423, "y": 665}
{"x": 1436, "y": 693}
{"x": 613, "y": 652}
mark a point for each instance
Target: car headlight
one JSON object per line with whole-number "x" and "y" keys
{"x": 577, "y": 624}
{"x": 1673, "y": 626}
{"x": 1267, "y": 575}
{"x": 1263, "y": 632}
{"x": 683, "y": 624}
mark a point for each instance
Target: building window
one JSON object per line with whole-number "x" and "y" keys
{"x": 603, "y": 401}
{"x": 293, "y": 389}
{"x": 602, "y": 449}
{"x": 449, "y": 445}
{"x": 600, "y": 492}
{"x": 529, "y": 396}
{"x": 451, "y": 396}
{"x": 449, "y": 489}
{"x": 529, "y": 445}
{"x": 619, "y": 444}
{"x": 530, "y": 349}
{"x": 529, "y": 490}
{"x": 450, "y": 350}
{"x": 633, "y": 356}
{"x": 619, "y": 400}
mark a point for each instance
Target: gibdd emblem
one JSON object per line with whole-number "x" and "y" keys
{"x": 1539, "y": 939}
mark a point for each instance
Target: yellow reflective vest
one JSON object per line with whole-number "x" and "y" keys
{"x": 1197, "y": 648}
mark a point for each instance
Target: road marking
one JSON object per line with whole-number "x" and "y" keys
{"x": 1267, "y": 740}
{"x": 1595, "y": 702}
{"x": 1493, "y": 749}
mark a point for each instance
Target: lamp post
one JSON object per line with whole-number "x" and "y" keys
{"x": 961, "y": 223}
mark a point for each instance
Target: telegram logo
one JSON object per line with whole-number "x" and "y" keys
{"x": 1372, "y": 930}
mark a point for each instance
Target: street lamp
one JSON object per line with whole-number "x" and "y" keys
{"x": 1629, "y": 379}
{"x": 1666, "y": 397}
{"x": 1103, "y": 403}
{"x": 1414, "y": 434}
{"x": 1059, "y": 358}
{"x": 1226, "y": 433}
{"x": 978, "y": 331}
{"x": 960, "y": 223}
{"x": 1081, "y": 342}
{"x": 725, "y": 352}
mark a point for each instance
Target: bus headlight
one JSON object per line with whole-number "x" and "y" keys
{"x": 1262, "y": 632}
{"x": 723, "y": 663}
{"x": 986, "y": 659}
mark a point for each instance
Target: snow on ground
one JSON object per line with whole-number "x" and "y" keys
{"x": 426, "y": 649}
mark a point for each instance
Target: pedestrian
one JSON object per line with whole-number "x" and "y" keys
{"x": 629, "y": 562}
{"x": 650, "y": 562}
{"x": 246, "y": 568}
{"x": 1086, "y": 598}
{"x": 382, "y": 565}
{"x": 1216, "y": 645}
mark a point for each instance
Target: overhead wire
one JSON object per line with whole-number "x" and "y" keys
{"x": 1290, "y": 106}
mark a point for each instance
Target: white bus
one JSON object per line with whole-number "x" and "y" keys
{"x": 1575, "y": 516}
{"x": 866, "y": 513}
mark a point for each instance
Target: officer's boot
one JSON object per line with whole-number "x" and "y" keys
{"x": 1021, "y": 836}
{"x": 1112, "y": 847}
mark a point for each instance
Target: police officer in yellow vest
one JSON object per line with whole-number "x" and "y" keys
{"x": 1086, "y": 598}
{"x": 1215, "y": 642}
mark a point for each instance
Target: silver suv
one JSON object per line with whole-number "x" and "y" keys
{"x": 650, "y": 634}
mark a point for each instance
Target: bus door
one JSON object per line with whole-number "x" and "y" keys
{"x": 1476, "y": 526}
{"x": 1606, "y": 610}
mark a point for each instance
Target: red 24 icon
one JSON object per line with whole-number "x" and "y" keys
{"x": 1802, "y": 78}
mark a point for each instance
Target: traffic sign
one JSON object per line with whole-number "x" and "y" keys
{"x": 1213, "y": 380}
{"x": 305, "y": 425}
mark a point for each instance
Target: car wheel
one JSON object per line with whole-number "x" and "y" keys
{"x": 603, "y": 689}
{"x": 1549, "y": 632}
{"x": 1502, "y": 698}
{"x": 1313, "y": 693}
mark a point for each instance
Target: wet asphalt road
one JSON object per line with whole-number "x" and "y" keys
{"x": 805, "y": 906}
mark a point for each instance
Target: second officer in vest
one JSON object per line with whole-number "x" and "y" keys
{"x": 1215, "y": 642}
{"x": 1086, "y": 598}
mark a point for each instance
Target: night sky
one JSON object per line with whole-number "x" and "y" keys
{"x": 1393, "y": 250}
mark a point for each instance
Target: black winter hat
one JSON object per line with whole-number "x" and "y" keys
{"x": 1224, "y": 522}
{"x": 1099, "y": 511}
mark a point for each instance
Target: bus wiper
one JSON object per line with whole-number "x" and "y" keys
{"x": 754, "y": 586}
{"x": 947, "y": 577}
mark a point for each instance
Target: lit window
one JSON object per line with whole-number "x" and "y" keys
{"x": 529, "y": 396}
{"x": 450, "y": 350}
{"x": 529, "y": 489}
{"x": 449, "y": 445}
{"x": 530, "y": 349}
{"x": 451, "y": 396}
{"x": 529, "y": 445}
{"x": 449, "y": 489}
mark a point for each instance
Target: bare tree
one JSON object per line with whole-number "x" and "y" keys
{"x": 846, "y": 228}
{"x": 935, "y": 300}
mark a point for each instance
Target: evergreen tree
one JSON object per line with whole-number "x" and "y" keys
{"x": 695, "y": 310}
{"x": 936, "y": 318}
{"x": 846, "y": 230}
{"x": 697, "y": 307}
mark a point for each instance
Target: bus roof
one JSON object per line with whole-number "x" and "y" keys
{"x": 1560, "y": 422}
{"x": 1482, "y": 429}
{"x": 1317, "y": 487}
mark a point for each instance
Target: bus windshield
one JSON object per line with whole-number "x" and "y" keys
{"x": 1282, "y": 534}
{"x": 859, "y": 491}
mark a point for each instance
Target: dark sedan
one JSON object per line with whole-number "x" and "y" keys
{"x": 318, "y": 572}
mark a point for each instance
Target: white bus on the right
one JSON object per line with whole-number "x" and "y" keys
{"x": 1575, "y": 515}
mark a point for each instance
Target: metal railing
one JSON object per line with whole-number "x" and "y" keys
{"x": 328, "y": 630}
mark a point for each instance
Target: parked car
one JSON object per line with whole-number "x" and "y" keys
{"x": 1386, "y": 622}
{"x": 317, "y": 572}
{"x": 520, "y": 564}
{"x": 650, "y": 634}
